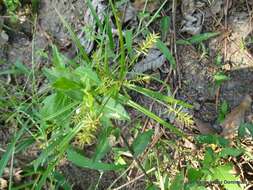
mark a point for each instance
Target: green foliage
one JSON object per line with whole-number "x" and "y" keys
{"x": 198, "y": 38}
{"x": 166, "y": 52}
{"x": 84, "y": 162}
{"x": 141, "y": 142}
{"x": 84, "y": 100}
{"x": 12, "y": 5}
{"x": 165, "y": 25}
{"x": 219, "y": 78}
{"x": 244, "y": 129}
{"x": 223, "y": 111}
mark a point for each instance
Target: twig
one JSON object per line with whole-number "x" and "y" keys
{"x": 135, "y": 179}
{"x": 121, "y": 175}
{"x": 174, "y": 7}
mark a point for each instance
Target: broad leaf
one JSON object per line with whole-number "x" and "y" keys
{"x": 115, "y": 110}
{"x": 224, "y": 174}
{"x": 178, "y": 182}
{"x": 56, "y": 106}
{"x": 225, "y": 152}
{"x": 141, "y": 142}
{"x": 66, "y": 84}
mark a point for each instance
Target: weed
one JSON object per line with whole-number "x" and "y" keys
{"x": 83, "y": 102}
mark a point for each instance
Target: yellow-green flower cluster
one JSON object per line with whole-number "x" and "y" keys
{"x": 147, "y": 44}
{"x": 90, "y": 124}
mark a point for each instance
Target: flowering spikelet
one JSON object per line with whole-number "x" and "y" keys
{"x": 90, "y": 124}
{"x": 181, "y": 115}
{"x": 147, "y": 44}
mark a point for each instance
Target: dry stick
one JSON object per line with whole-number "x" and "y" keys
{"x": 174, "y": 37}
{"x": 135, "y": 179}
{"x": 225, "y": 50}
{"x": 121, "y": 175}
{"x": 250, "y": 14}
{"x": 136, "y": 159}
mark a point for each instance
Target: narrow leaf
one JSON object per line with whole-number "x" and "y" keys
{"x": 166, "y": 52}
{"x": 198, "y": 38}
{"x": 85, "y": 162}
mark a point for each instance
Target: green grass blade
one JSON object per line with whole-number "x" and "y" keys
{"x": 166, "y": 52}
{"x": 84, "y": 162}
{"x": 109, "y": 33}
{"x": 121, "y": 42}
{"x": 155, "y": 117}
{"x": 158, "y": 96}
{"x": 198, "y": 38}
{"x": 165, "y": 26}
{"x": 74, "y": 38}
{"x": 129, "y": 41}
{"x": 10, "y": 148}
{"x": 94, "y": 14}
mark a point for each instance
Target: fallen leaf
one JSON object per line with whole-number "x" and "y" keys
{"x": 204, "y": 128}
{"x": 152, "y": 5}
{"x": 236, "y": 117}
{"x": 153, "y": 61}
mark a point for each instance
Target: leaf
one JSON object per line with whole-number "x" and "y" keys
{"x": 11, "y": 148}
{"x": 178, "y": 182}
{"x": 159, "y": 96}
{"x": 88, "y": 73}
{"x": 224, "y": 174}
{"x": 66, "y": 84}
{"x": 154, "y": 60}
{"x": 219, "y": 78}
{"x": 61, "y": 181}
{"x": 194, "y": 175}
{"x": 103, "y": 146}
{"x": 129, "y": 41}
{"x": 228, "y": 151}
{"x": 209, "y": 158}
{"x": 242, "y": 131}
{"x": 109, "y": 32}
{"x": 223, "y": 110}
{"x": 22, "y": 68}
{"x": 212, "y": 139}
{"x": 247, "y": 126}
{"x": 166, "y": 52}
{"x": 155, "y": 117}
{"x": 165, "y": 26}
{"x": 198, "y": 38}
{"x": 58, "y": 59}
{"x": 85, "y": 162}
{"x": 56, "y": 106}
{"x": 115, "y": 110}
{"x": 141, "y": 142}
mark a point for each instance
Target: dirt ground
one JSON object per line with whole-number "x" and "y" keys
{"x": 196, "y": 68}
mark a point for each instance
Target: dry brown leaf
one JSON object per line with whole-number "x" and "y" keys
{"x": 204, "y": 128}
{"x": 152, "y": 5}
{"x": 189, "y": 144}
{"x": 236, "y": 117}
